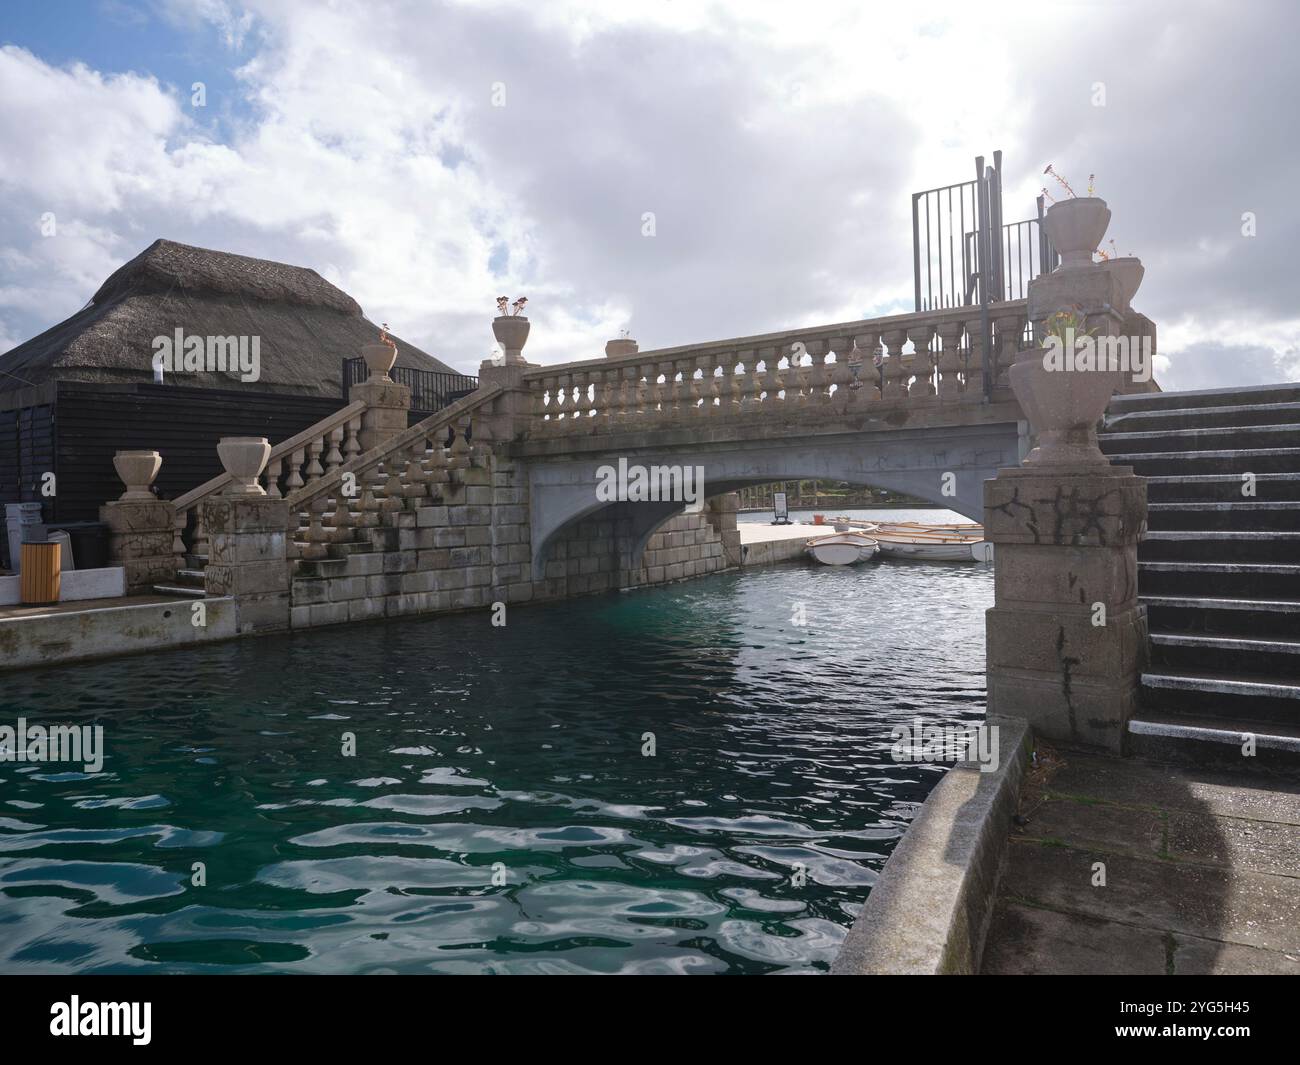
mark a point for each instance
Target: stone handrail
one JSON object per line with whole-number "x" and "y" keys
{"x": 785, "y": 374}
{"x": 403, "y": 464}
{"x": 334, "y": 439}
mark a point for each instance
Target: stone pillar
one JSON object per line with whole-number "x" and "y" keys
{"x": 511, "y": 411}
{"x": 1066, "y": 637}
{"x": 721, "y": 514}
{"x": 140, "y": 541}
{"x": 247, "y": 558}
{"x": 387, "y": 408}
{"x": 140, "y": 525}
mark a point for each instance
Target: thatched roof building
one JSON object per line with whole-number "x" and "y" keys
{"x": 306, "y": 326}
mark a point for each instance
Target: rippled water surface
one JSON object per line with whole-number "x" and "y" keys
{"x": 512, "y": 751}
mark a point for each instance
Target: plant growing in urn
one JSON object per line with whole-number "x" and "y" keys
{"x": 510, "y": 327}
{"x": 380, "y": 357}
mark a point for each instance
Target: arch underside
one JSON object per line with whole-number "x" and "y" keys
{"x": 945, "y": 466}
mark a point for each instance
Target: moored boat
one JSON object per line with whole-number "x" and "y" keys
{"x": 841, "y": 549}
{"x": 929, "y": 546}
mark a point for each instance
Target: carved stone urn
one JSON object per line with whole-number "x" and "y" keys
{"x": 1127, "y": 271}
{"x": 244, "y": 458}
{"x": 1075, "y": 228}
{"x": 137, "y": 469}
{"x": 1064, "y": 405}
{"x": 379, "y": 360}
{"x": 616, "y": 349}
{"x": 511, "y": 331}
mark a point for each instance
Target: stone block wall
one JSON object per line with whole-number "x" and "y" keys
{"x": 472, "y": 548}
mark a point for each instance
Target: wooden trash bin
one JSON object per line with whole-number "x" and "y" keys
{"x": 40, "y": 574}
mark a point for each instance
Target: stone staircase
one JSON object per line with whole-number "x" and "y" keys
{"x": 189, "y": 580}
{"x": 1219, "y": 568}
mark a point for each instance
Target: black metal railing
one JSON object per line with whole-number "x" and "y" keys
{"x": 963, "y": 255}
{"x": 947, "y": 226}
{"x": 431, "y": 390}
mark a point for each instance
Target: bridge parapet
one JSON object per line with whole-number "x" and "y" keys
{"x": 905, "y": 359}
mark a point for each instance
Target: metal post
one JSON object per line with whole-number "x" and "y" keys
{"x": 916, "y": 251}
{"x": 982, "y": 254}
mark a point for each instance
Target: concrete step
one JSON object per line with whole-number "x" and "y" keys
{"x": 1232, "y": 580}
{"x": 1204, "y": 417}
{"x": 1253, "y": 437}
{"x": 1156, "y": 463}
{"x": 1219, "y": 616}
{"x": 1208, "y": 397}
{"x": 189, "y": 576}
{"x": 1180, "y": 652}
{"x": 185, "y": 591}
{"x": 1230, "y": 695}
{"x": 1216, "y": 487}
{"x": 1211, "y": 739}
{"x": 1211, "y": 545}
{"x": 1243, "y": 515}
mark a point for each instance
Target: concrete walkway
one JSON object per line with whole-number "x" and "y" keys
{"x": 1201, "y": 872}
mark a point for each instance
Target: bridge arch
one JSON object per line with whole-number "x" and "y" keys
{"x": 944, "y": 465}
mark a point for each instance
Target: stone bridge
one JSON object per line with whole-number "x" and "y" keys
{"x": 897, "y": 403}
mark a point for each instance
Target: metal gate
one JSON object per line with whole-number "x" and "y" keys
{"x": 964, "y": 255}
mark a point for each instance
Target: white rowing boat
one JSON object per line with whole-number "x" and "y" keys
{"x": 965, "y": 528}
{"x": 841, "y": 549}
{"x": 931, "y": 546}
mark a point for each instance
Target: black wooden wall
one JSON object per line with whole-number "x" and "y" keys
{"x": 77, "y": 435}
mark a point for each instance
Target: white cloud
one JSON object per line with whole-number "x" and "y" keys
{"x": 776, "y": 145}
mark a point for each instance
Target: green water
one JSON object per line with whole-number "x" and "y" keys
{"x": 512, "y": 752}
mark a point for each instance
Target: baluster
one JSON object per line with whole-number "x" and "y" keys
{"x": 274, "y": 469}
{"x": 439, "y": 473}
{"x": 734, "y": 388}
{"x": 458, "y": 453}
{"x": 771, "y": 382}
{"x": 704, "y": 389}
{"x": 415, "y": 476}
{"x": 342, "y": 521}
{"x": 841, "y": 378}
{"x": 949, "y": 363}
{"x": 295, "y": 476}
{"x": 334, "y": 457}
{"x": 681, "y": 390}
{"x": 317, "y": 537}
{"x": 1010, "y": 330}
{"x": 563, "y": 397}
{"x": 314, "y": 469}
{"x": 200, "y": 534}
{"x": 691, "y": 389}
{"x": 867, "y": 346}
{"x": 751, "y": 384}
{"x": 975, "y": 355}
{"x": 179, "y": 521}
{"x": 920, "y": 335}
{"x": 819, "y": 377}
{"x": 606, "y": 388}
{"x": 352, "y": 444}
{"x": 894, "y": 374}
{"x": 393, "y": 493}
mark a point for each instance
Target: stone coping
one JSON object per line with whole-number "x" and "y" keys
{"x": 49, "y": 636}
{"x": 74, "y": 585}
{"x": 929, "y": 912}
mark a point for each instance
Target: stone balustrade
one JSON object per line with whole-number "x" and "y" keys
{"x": 294, "y": 463}
{"x": 407, "y": 471}
{"x": 934, "y": 356}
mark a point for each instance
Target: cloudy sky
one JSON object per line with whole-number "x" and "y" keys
{"x": 429, "y": 156}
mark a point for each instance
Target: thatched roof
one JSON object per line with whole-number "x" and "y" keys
{"x": 306, "y": 325}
